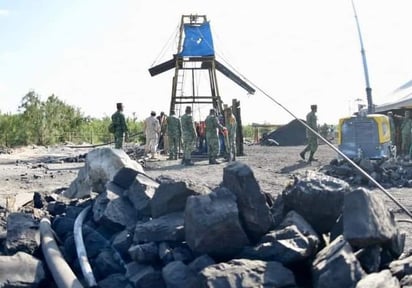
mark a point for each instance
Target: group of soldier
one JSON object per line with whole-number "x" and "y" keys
{"x": 173, "y": 132}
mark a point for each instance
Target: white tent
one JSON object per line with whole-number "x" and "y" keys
{"x": 402, "y": 99}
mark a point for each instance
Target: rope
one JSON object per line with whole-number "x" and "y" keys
{"x": 163, "y": 51}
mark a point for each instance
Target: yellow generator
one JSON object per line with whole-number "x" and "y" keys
{"x": 365, "y": 136}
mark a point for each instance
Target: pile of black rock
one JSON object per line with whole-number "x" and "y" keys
{"x": 393, "y": 172}
{"x": 318, "y": 232}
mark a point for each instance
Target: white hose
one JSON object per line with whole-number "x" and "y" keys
{"x": 81, "y": 249}
{"x": 61, "y": 272}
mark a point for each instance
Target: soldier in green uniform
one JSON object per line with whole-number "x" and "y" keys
{"x": 312, "y": 121}
{"x": 119, "y": 126}
{"x": 212, "y": 137}
{"x": 188, "y": 136}
{"x": 406, "y": 127}
{"x": 392, "y": 127}
{"x": 231, "y": 126}
{"x": 174, "y": 134}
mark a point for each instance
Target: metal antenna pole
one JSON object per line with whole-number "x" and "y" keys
{"x": 365, "y": 65}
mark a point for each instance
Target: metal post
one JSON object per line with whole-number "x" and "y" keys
{"x": 365, "y": 65}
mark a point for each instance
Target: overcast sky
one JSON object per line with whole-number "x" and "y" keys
{"x": 94, "y": 53}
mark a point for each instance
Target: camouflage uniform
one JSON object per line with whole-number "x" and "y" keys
{"x": 164, "y": 135}
{"x": 212, "y": 137}
{"x": 120, "y": 128}
{"x": 162, "y": 145}
{"x": 392, "y": 128}
{"x": 231, "y": 127}
{"x": 406, "y": 127}
{"x": 188, "y": 137}
{"x": 174, "y": 134}
{"x": 311, "y": 120}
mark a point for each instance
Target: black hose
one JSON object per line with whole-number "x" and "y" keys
{"x": 404, "y": 220}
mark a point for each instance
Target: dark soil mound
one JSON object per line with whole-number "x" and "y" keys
{"x": 291, "y": 134}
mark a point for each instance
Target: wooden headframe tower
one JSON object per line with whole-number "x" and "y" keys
{"x": 196, "y": 55}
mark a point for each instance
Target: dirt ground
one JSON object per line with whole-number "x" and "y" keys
{"x": 42, "y": 169}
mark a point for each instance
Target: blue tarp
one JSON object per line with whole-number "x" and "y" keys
{"x": 198, "y": 40}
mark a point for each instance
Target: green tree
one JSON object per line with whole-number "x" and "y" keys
{"x": 248, "y": 132}
{"x": 33, "y": 120}
{"x": 11, "y": 132}
{"x": 60, "y": 120}
{"x": 48, "y": 122}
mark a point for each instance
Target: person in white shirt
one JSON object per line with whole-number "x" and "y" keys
{"x": 151, "y": 127}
